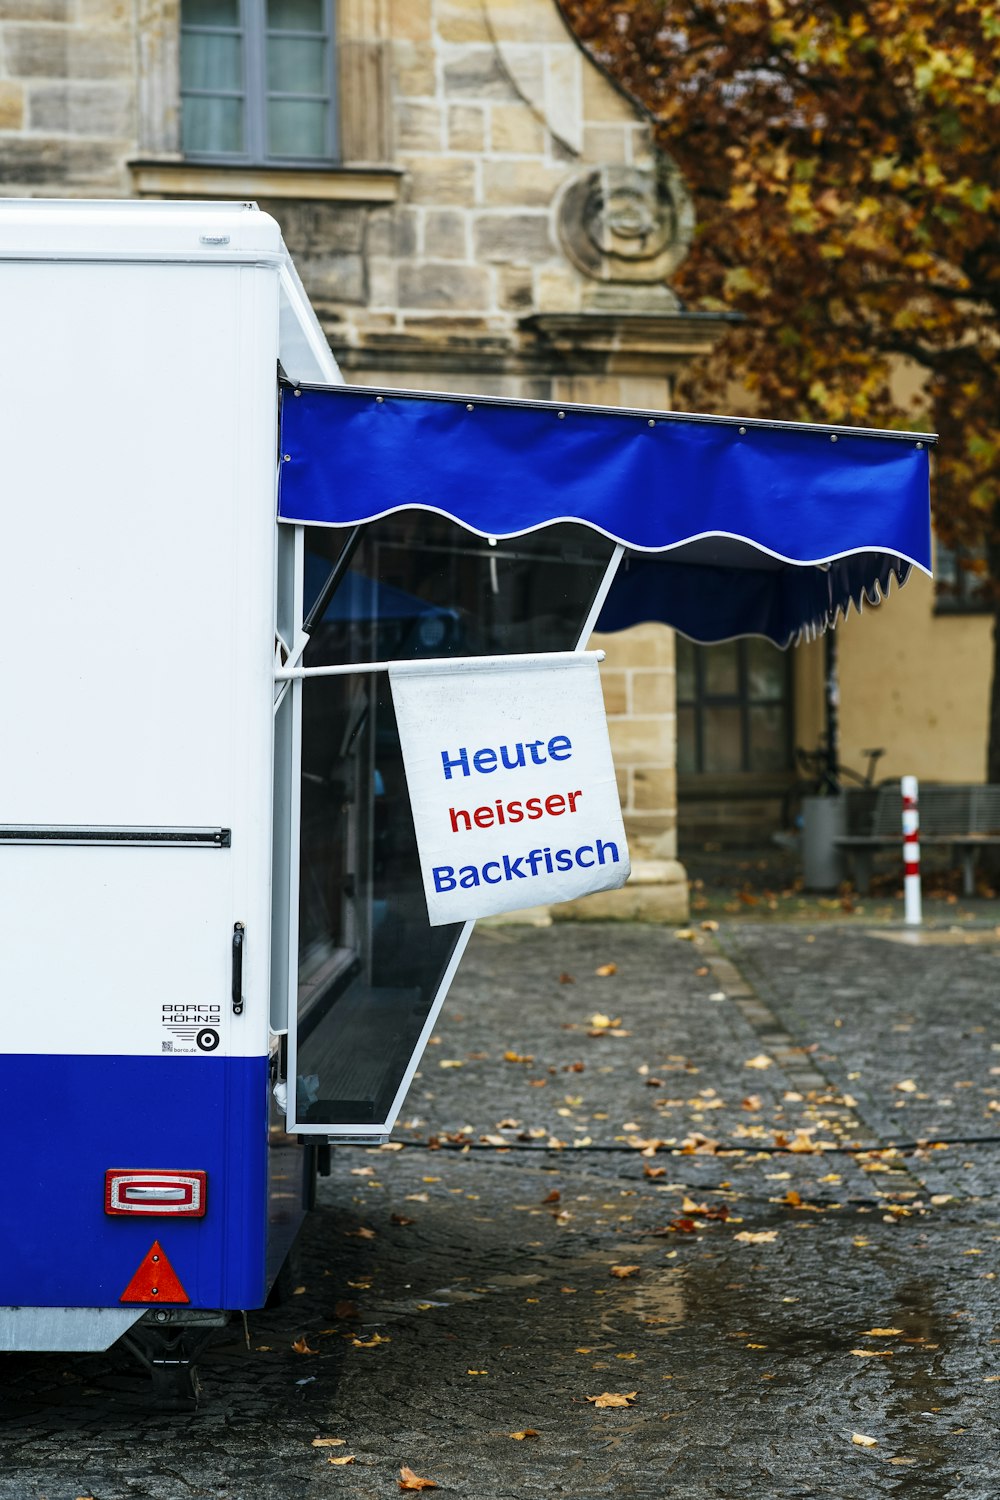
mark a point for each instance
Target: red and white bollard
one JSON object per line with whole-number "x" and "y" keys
{"x": 911, "y": 852}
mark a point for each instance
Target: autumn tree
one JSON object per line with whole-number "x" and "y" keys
{"x": 843, "y": 159}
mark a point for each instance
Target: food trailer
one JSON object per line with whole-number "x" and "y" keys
{"x": 220, "y": 951}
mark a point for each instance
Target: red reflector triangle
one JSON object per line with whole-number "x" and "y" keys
{"x": 155, "y": 1280}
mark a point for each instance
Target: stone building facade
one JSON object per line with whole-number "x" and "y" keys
{"x": 495, "y": 220}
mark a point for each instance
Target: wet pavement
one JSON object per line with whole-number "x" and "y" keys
{"x": 744, "y": 1182}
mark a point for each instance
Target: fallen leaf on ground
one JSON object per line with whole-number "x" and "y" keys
{"x": 301, "y": 1346}
{"x": 410, "y": 1481}
{"x": 362, "y": 1171}
{"x": 760, "y": 1061}
{"x": 872, "y": 1353}
{"x": 649, "y": 1171}
{"x": 566, "y": 979}
{"x": 902, "y": 1460}
{"x": 361, "y": 1233}
{"x": 399, "y": 1219}
{"x": 906, "y": 1087}
{"x": 760, "y": 1237}
{"x": 881, "y": 1333}
{"x": 518, "y": 1057}
{"x": 552, "y": 1197}
{"x": 451, "y": 1062}
{"x": 862, "y": 1441}
{"x": 605, "y": 970}
{"x": 622, "y": 1271}
{"x": 613, "y": 1398}
{"x": 375, "y": 1339}
{"x": 347, "y": 1458}
{"x": 329, "y": 1442}
{"x": 519, "y": 1437}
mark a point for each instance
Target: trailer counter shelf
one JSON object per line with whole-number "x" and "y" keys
{"x": 216, "y": 944}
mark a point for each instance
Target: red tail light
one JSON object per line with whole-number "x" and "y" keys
{"x": 180, "y": 1194}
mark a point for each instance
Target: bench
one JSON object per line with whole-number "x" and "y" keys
{"x": 962, "y": 818}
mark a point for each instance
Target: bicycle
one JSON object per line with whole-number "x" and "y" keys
{"x": 819, "y": 775}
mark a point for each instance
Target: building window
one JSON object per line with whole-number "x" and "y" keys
{"x": 257, "y": 81}
{"x": 961, "y": 582}
{"x": 732, "y": 708}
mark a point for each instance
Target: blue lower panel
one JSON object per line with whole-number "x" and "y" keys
{"x": 68, "y": 1119}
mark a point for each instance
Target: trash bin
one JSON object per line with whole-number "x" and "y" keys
{"x": 823, "y": 820}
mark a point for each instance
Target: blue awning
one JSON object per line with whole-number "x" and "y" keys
{"x": 733, "y": 526}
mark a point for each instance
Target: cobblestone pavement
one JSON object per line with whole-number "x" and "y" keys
{"x": 609, "y": 1184}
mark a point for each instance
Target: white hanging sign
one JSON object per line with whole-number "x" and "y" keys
{"x": 511, "y": 781}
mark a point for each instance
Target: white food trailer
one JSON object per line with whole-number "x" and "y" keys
{"x": 216, "y": 954}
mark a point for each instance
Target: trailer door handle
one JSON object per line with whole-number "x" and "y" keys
{"x": 239, "y": 938}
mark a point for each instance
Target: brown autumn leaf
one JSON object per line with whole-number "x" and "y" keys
{"x": 517, "y": 1057}
{"x": 566, "y": 979}
{"x": 650, "y": 1171}
{"x": 862, "y": 1441}
{"x": 872, "y": 1353}
{"x": 624, "y": 1271}
{"x": 400, "y": 1219}
{"x": 301, "y": 1346}
{"x": 361, "y": 1233}
{"x": 882, "y": 1333}
{"x": 346, "y": 1458}
{"x": 410, "y": 1481}
{"x": 613, "y": 1398}
{"x": 604, "y": 971}
{"x": 329, "y": 1442}
{"x": 552, "y": 1197}
{"x": 371, "y": 1343}
{"x": 527, "y": 1432}
{"x": 761, "y": 1061}
{"x": 760, "y": 1237}
{"x": 793, "y": 1199}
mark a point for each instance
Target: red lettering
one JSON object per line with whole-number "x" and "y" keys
{"x": 483, "y": 817}
{"x": 533, "y": 805}
{"x": 555, "y": 804}
{"x": 572, "y": 800}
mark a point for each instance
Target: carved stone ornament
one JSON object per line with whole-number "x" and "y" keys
{"x": 631, "y": 224}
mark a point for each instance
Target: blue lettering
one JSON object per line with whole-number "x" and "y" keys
{"x": 493, "y": 879}
{"x": 601, "y": 846}
{"x": 444, "y": 877}
{"x": 584, "y": 849}
{"x": 512, "y": 765}
{"x": 452, "y": 764}
{"x": 560, "y": 747}
{"x": 513, "y": 871}
{"x": 485, "y": 761}
{"x": 534, "y": 746}
{"x": 564, "y": 859}
{"x": 468, "y": 876}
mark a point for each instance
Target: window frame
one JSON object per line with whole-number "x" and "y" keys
{"x": 701, "y": 700}
{"x": 253, "y": 32}
{"x": 966, "y": 598}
